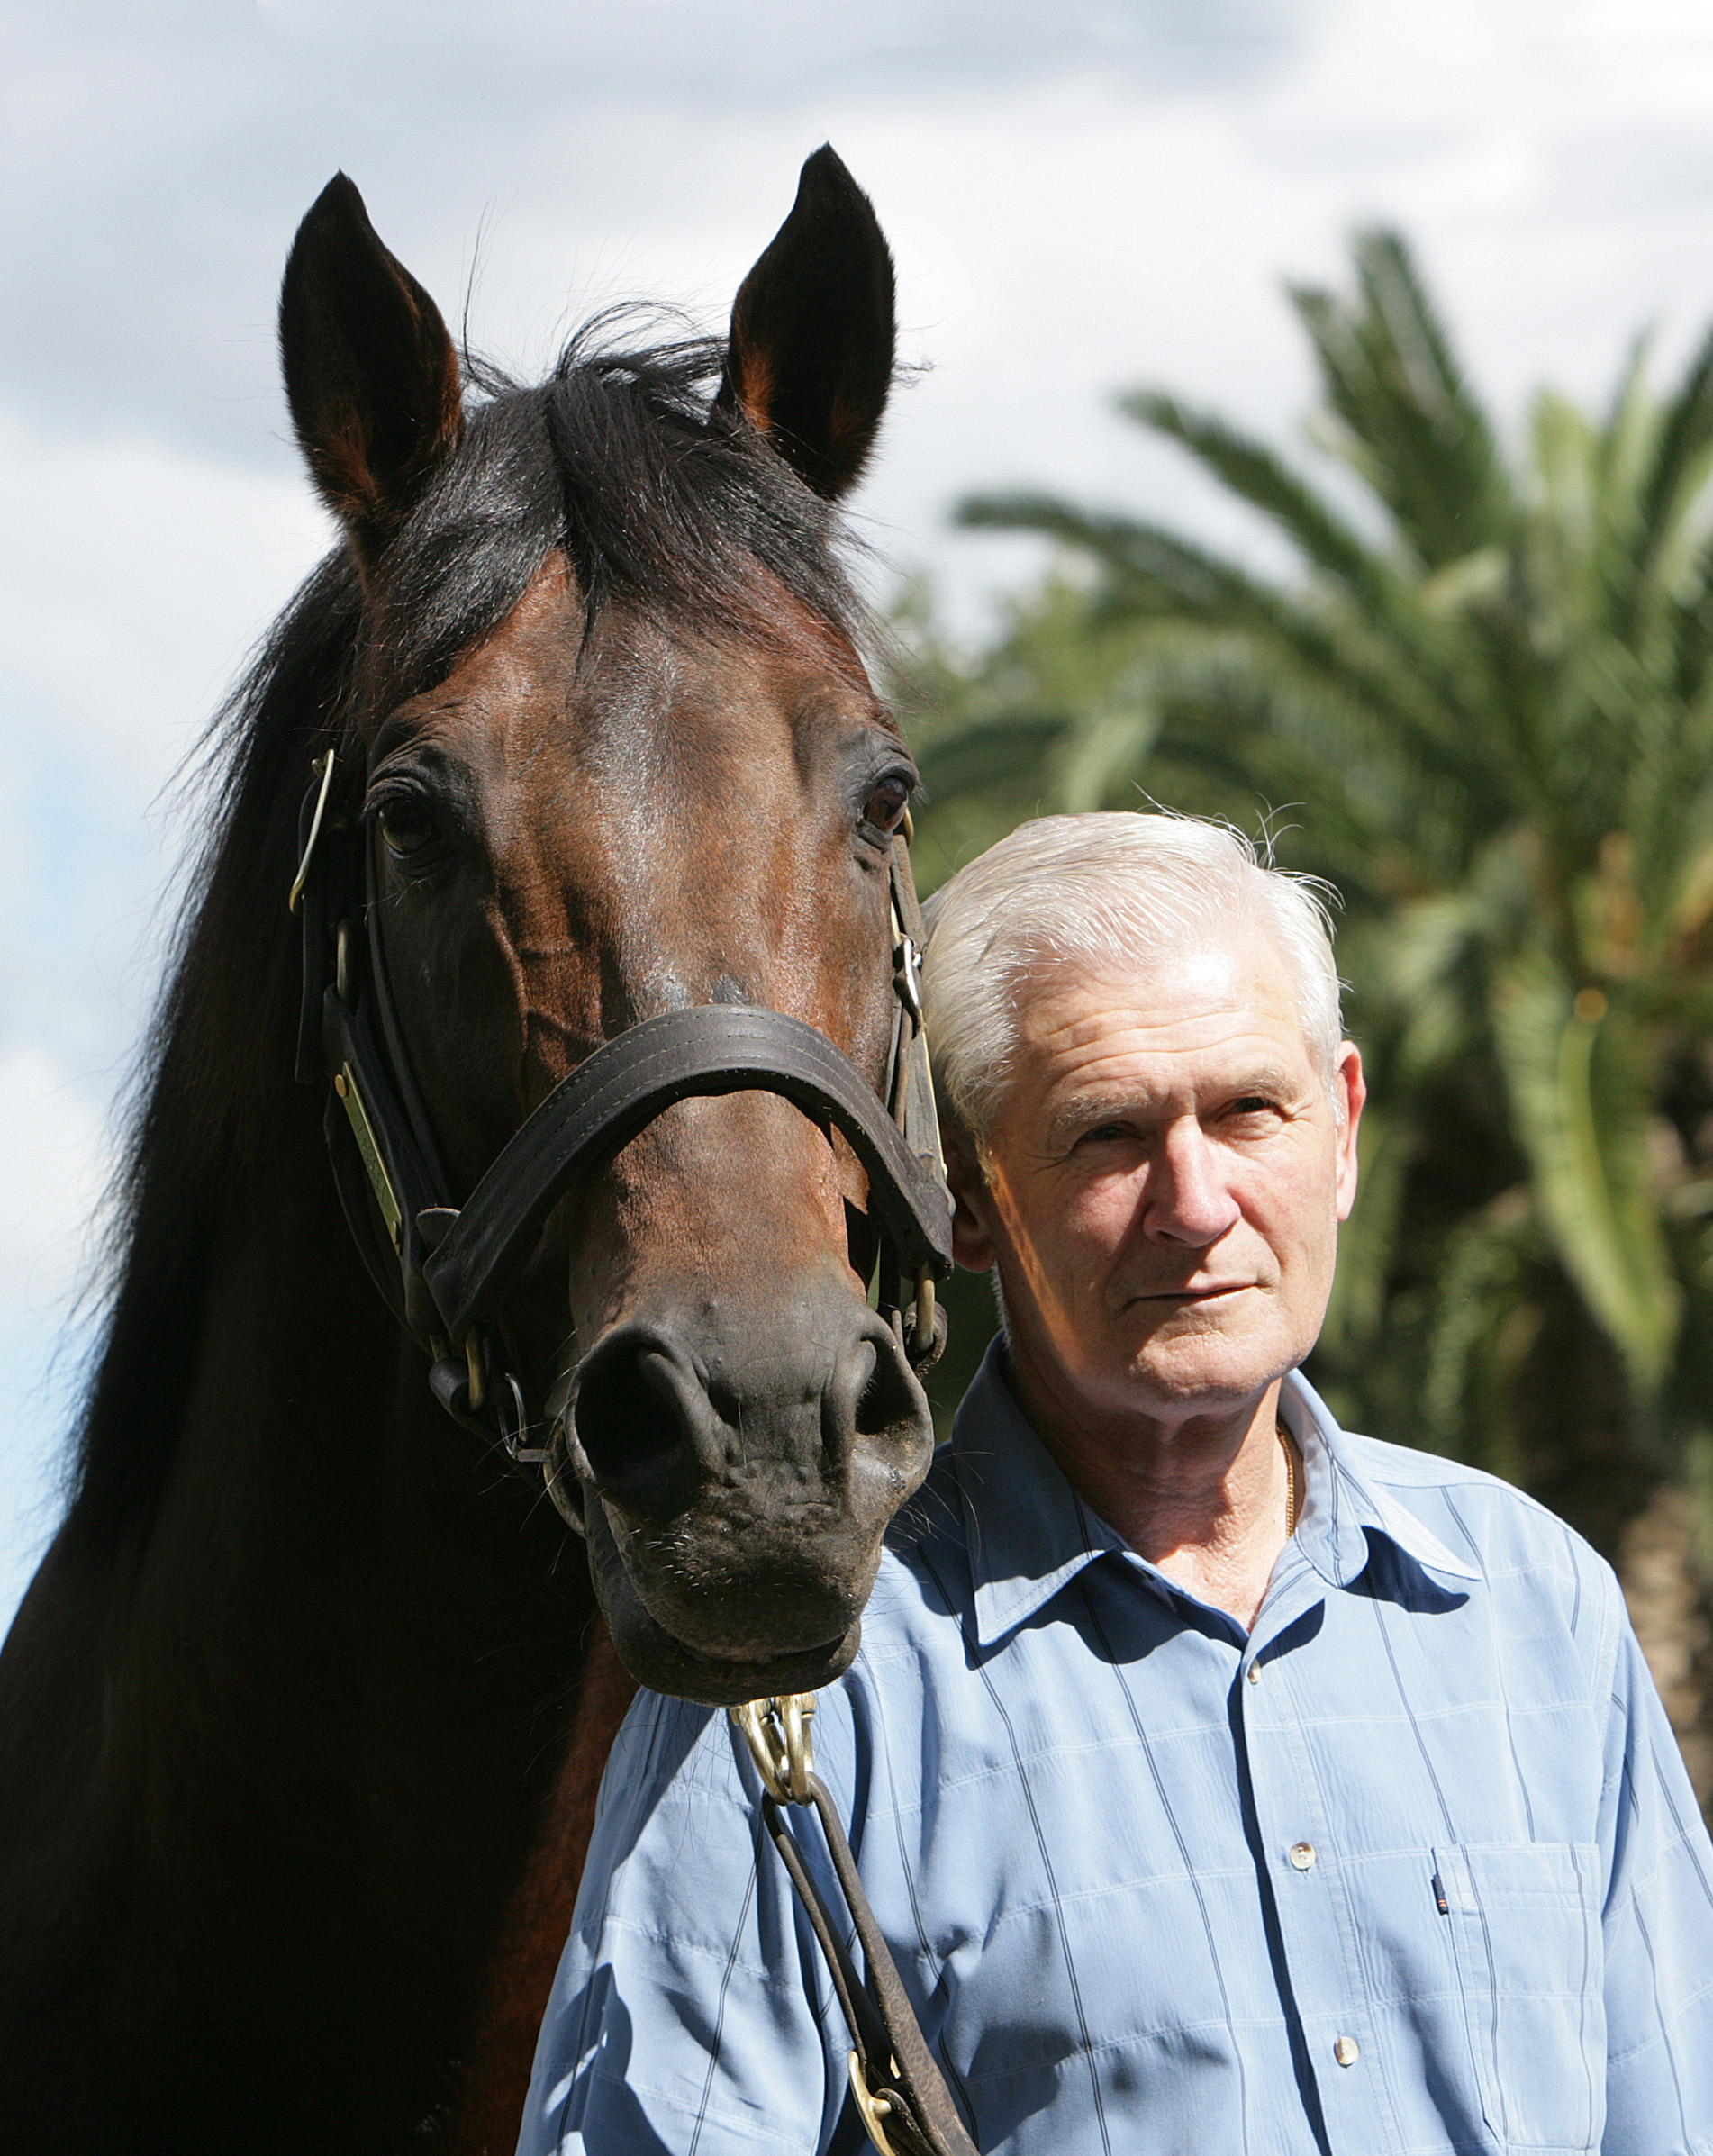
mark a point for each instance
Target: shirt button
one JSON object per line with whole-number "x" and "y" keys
{"x": 1346, "y": 2051}
{"x": 1303, "y": 1856}
{"x": 1255, "y": 1673}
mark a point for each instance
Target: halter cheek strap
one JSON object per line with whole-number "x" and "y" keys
{"x": 446, "y": 1270}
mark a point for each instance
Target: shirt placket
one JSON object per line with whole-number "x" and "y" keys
{"x": 1297, "y": 1850}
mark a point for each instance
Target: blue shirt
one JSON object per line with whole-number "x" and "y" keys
{"x": 1412, "y": 1868}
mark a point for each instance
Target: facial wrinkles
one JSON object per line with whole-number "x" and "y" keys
{"x": 1087, "y": 1067}
{"x": 1162, "y": 1206}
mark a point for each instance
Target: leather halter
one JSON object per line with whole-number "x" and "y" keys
{"x": 445, "y": 1270}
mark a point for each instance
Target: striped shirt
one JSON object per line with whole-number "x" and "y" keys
{"x": 1412, "y": 1868}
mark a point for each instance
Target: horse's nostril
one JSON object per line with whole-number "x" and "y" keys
{"x": 889, "y": 1400}
{"x": 635, "y": 1424}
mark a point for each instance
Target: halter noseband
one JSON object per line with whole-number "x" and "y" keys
{"x": 445, "y": 1270}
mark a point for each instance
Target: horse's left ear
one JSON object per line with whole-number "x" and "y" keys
{"x": 370, "y": 373}
{"x": 810, "y": 355}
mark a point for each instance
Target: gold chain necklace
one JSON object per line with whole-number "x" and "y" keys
{"x": 1291, "y": 1485}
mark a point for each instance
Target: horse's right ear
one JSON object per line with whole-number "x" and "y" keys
{"x": 371, "y": 376}
{"x": 811, "y": 354}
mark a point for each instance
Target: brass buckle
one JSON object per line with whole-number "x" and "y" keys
{"x": 368, "y": 1146}
{"x": 776, "y": 1731}
{"x": 872, "y": 2109}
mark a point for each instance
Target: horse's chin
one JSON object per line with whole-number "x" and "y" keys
{"x": 702, "y": 1672}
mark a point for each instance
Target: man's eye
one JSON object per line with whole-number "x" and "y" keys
{"x": 1251, "y": 1104}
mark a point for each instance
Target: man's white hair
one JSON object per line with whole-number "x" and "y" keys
{"x": 1116, "y": 890}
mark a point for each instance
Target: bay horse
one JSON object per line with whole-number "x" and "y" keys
{"x": 571, "y": 745}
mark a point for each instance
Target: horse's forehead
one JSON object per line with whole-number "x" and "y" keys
{"x": 547, "y": 663}
{"x": 533, "y": 652}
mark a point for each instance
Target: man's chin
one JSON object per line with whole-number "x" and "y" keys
{"x": 1196, "y": 1365}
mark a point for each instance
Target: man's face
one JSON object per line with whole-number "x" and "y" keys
{"x": 1166, "y": 1173}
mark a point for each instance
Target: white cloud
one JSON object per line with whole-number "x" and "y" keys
{"x": 53, "y": 1168}
{"x": 133, "y": 574}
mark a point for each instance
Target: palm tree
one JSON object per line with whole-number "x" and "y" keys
{"x": 1487, "y": 689}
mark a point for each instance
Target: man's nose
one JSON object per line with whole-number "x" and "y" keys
{"x": 1188, "y": 1198}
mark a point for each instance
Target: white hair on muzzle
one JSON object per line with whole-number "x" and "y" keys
{"x": 1118, "y": 889}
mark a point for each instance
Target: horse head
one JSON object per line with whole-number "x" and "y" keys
{"x": 610, "y": 751}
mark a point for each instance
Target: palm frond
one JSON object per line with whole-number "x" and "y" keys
{"x": 1579, "y": 1098}
{"x": 1412, "y": 427}
{"x": 1006, "y": 749}
{"x": 1684, "y": 444}
{"x": 1479, "y": 1289}
{"x": 1156, "y": 574}
{"x": 1263, "y": 480}
{"x": 1367, "y": 1241}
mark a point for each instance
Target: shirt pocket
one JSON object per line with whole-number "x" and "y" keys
{"x": 1525, "y": 1932}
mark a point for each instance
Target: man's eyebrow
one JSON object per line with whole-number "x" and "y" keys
{"x": 1268, "y": 1078}
{"x": 1088, "y": 1111}
{"x": 1084, "y": 1113}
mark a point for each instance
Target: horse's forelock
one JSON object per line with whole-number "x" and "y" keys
{"x": 658, "y": 496}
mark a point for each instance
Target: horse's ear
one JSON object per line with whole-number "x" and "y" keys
{"x": 371, "y": 376}
{"x": 810, "y": 355}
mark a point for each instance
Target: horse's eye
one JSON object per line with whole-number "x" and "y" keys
{"x": 883, "y": 810}
{"x": 409, "y": 829}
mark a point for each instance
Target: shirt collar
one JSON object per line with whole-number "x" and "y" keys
{"x": 1340, "y": 1504}
{"x": 1029, "y": 1534}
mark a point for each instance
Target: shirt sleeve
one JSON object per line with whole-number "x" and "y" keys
{"x": 691, "y": 2015}
{"x": 1658, "y": 1921}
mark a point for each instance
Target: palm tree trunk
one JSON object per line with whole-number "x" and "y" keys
{"x": 1582, "y": 1454}
{"x": 1666, "y": 1586}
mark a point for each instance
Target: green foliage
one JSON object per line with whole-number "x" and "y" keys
{"x": 1483, "y": 706}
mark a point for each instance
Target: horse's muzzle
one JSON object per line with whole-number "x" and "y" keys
{"x": 737, "y": 1472}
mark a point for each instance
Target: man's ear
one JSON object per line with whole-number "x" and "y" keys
{"x": 371, "y": 376}
{"x": 973, "y": 1219}
{"x": 1350, "y": 1089}
{"x": 810, "y": 359}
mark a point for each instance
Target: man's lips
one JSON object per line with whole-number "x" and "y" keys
{"x": 1198, "y": 1293}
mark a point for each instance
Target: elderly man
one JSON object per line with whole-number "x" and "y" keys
{"x": 1223, "y": 1782}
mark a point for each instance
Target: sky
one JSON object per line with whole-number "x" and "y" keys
{"x": 1080, "y": 197}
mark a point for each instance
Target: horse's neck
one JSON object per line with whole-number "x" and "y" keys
{"x": 377, "y": 1579}
{"x": 318, "y": 1700}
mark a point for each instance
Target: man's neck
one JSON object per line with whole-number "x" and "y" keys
{"x": 1207, "y": 1498}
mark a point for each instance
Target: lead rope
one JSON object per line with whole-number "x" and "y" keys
{"x": 900, "y": 2093}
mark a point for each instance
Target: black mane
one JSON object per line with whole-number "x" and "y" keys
{"x": 660, "y": 495}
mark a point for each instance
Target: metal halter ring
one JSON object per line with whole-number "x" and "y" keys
{"x": 776, "y": 1731}
{"x": 923, "y": 1328}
